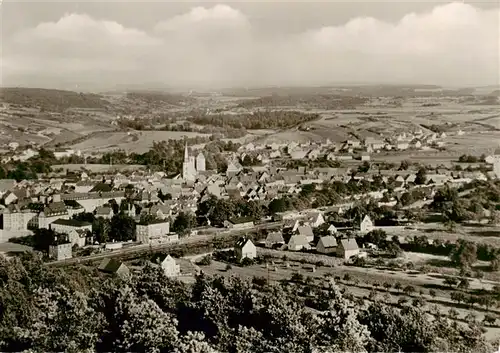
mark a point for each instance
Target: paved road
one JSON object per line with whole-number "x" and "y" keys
{"x": 142, "y": 248}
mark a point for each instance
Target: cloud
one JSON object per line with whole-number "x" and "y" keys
{"x": 199, "y": 16}
{"x": 454, "y": 44}
{"x": 76, "y": 46}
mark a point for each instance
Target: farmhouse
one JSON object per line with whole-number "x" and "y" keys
{"x": 366, "y": 225}
{"x": 113, "y": 266}
{"x": 244, "y": 248}
{"x": 168, "y": 264}
{"x": 307, "y": 232}
{"x": 298, "y": 242}
{"x": 274, "y": 239}
{"x": 326, "y": 245}
{"x": 347, "y": 248}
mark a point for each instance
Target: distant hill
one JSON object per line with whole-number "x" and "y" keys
{"x": 154, "y": 97}
{"x": 322, "y": 101}
{"x": 51, "y": 99}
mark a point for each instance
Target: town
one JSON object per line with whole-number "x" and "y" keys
{"x": 235, "y": 177}
{"x": 275, "y": 212}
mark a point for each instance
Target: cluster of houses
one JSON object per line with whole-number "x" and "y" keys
{"x": 347, "y": 150}
{"x": 298, "y": 235}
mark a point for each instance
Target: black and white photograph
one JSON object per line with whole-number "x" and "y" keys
{"x": 261, "y": 176}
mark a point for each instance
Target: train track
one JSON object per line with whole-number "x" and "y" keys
{"x": 145, "y": 248}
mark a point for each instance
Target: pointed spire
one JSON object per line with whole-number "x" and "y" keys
{"x": 186, "y": 153}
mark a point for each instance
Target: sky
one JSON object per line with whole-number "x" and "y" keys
{"x": 211, "y": 44}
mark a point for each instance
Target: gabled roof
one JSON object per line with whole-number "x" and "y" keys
{"x": 54, "y": 207}
{"x": 242, "y": 242}
{"x": 306, "y": 231}
{"x": 71, "y": 222}
{"x": 366, "y": 218}
{"x": 328, "y": 242}
{"x": 349, "y": 244}
{"x": 72, "y": 204}
{"x": 160, "y": 258}
{"x": 101, "y": 187}
{"x": 315, "y": 216}
{"x": 299, "y": 239}
{"x": 7, "y": 184}
{"x": 110, "y": 265}
{"x": 275, "y": 237}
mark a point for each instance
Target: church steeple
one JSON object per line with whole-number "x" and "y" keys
{"x": 186, "y": 153}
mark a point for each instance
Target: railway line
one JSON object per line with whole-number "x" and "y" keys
{"x": 135, "y": 250}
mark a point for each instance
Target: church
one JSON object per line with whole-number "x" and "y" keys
{"x": 192, "y": 165}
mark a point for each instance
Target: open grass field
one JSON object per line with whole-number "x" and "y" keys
{"x": 137, "y": 141}
{"x": 98, "y": 168}
{"x": 480, "y": 234}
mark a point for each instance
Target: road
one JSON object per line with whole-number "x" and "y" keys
{"x": 143, "y": 248}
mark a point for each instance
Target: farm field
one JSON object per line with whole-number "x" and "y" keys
{"x": 487, "y": 234}
{"x": 98, "y": 168}
{"x": 137, "y": 141}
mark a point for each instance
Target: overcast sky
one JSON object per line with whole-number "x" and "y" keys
{"x": 93, "y": 45}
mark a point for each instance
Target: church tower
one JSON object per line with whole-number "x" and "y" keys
{"x": 496, "y": 163}
{"x": 188, "y": 169}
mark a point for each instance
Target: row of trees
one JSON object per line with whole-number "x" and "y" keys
{"x": 120, "y": 227}
{"x": 76, "y": 310}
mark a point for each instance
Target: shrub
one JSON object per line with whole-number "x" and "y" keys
{"x": 205, "y": 260}
{"x": 259, "y": 281}
{"x": 297, "y": 277}
{"x": 246, "y": 262}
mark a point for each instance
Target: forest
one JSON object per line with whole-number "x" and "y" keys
{"x": 266, "y": 119}
{"x": 51, "y": 99}
{"x": 78, "y": 309}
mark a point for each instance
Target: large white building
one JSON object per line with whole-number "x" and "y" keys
{"x": 66, "y": 226}
{"x": 15, "y": 219}
{"x": 155, "y": 233}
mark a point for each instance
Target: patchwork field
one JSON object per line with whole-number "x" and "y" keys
{"x": 137, "y": 141}
{"x": 98, "y": 168}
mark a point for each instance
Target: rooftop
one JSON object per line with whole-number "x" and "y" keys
{"x": 72, "y": 223}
